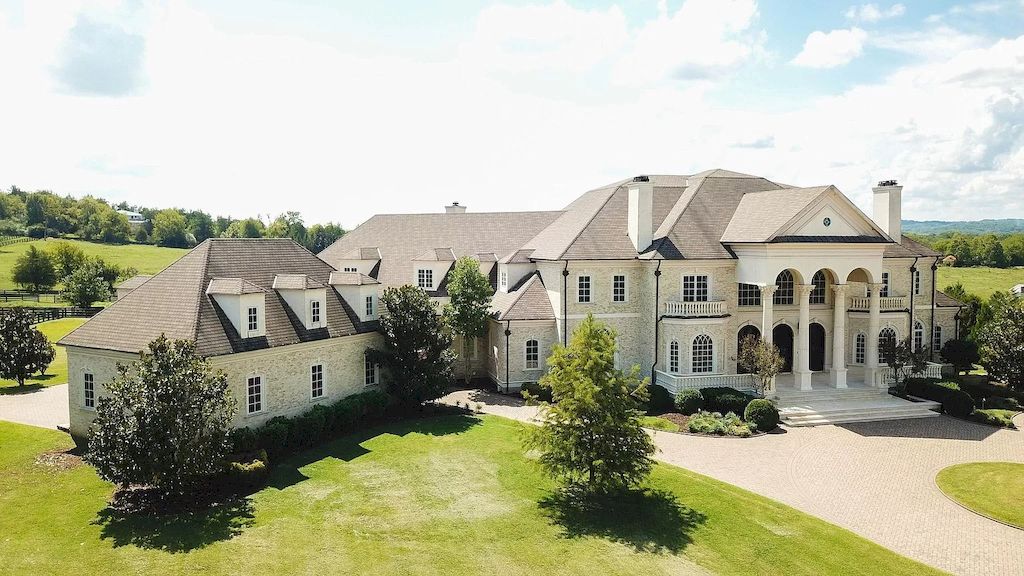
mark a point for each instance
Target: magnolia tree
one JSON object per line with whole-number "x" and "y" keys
{"x": 1002, "y": 348}
{"x": 163, "y": 422}
{"x": 469, "y": 305}
{"x": 590, "y": 434}
{"x": 416, "y": 354}
{"x": 24, "y": 350}
{"x": 761, "y": 358}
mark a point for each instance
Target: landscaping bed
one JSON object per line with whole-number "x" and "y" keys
{"x": 717, "y": 411}
{"x": 959, "y": 403}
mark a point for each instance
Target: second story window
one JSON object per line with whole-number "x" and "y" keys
{"x": 784, "y": 292}
{"x": 369, "y": 372}
{"x": 253, "y": 318}
{"x": 369, "y": 306}
{"x": 917, "y": 282}
{"x": 885, "y": 285}
{"x": 314, "y": 311}
{"x": 504, "y": 279}
{"x": 583, "y": 289}
{"x": 316, "y": 381}
{"x": 350, "y": 269}
{"x": 619, "y": 288}
{"x": 425, "y": 278}
{"x": 818, "y": 292}
{"x": 749, "y": 295}
{"x": 695, "y": 288}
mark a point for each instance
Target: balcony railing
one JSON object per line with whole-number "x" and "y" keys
{"x": 886, "y": 303}
{"x": 884, "y": 374}
{"x": 674, "y": 383}
{"x": 695, "y": 309}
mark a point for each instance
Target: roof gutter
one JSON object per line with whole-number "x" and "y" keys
{"x": 657, "y": 322}
{"x": 913, "y": 282}
{"x": 935, "y": 266}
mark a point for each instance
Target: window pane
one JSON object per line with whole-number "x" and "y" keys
{"x": 532, "y": 355}
{"x": 673, "y": 357}
{"x": 618, "y": 288}
{"x": 749, "y": 295}
{"x": 583, "y": 289}
{"x": 695, "y": 288}
{"x": 784, "y": 292}
{"x": 254, "y": 393}
{"x": 702, "y": 359}
{"x": 818, "y": 293}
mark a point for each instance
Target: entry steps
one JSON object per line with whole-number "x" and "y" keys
{"x": 839, "y": 406}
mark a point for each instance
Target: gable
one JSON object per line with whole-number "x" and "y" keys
{"x": 830, "y": 214}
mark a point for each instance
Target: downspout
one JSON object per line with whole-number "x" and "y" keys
{"x": 935, "y": 266}
{"x": 910, "y": 312}
{"x": 508, "y": 332}
{"x": 657, "y": 321}
{"x": 565, "y": 304}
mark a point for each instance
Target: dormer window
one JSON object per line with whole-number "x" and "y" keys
{"x": 504, "y": 280}
{"x": 254, "y": 322}
{"x": 369, "y": 306}
{"x": 314, "y": 311}
{"x": 350, "y": 269}
{"x": 425, "y": 278}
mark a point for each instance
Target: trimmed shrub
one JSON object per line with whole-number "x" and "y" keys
{"x": 689, "y": 401}
{"x": 724, "y": 400}
{"x": 376, "y": 404}
{"x": 715, "y": 423}
{"x": 243, "y": 440}
{"x": 537, "y": 391}
{"x": 347, "y": 412}
{"x": 954, "y": 402}
{"x": 978, "y": 390}
{"x": 273, "y": 436}
{"x": 308, "y": 429}
{"x": 1002, "y": 403}
{"x": 762, "y": 414}
{"x": 958, "y": 403}
{"x": 658, "y": 399}
{"x": 247, "y": 475}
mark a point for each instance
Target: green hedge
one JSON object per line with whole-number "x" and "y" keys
{"x": 980, "y": 391}
{"x": 248, "y": 473}
{"x": 659, "y": 400}
{"x": 281, "y": 435}
{"x": 725, "y": 400}
{"x": 762, "y": 413}
{"x": 689, "y": 401}
{"x": 955, "y": 402}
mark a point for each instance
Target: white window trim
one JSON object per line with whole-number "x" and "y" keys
{"x": 376, "y": 372}
{"x": 885, "y": 291}
{"x": 682, "y": 285}
{"x": 369, "y": 306}
{"x": 95, "y": 396}
{"x": 714, "y": 356}
{"x": 625, "y": 289}
{"x": 427, "y": 276}
{"x": 263, "y": 394}
{"x": 248, "y": 323}
{"x": 350, "y": 269}
{"x": 323, "y": 382}
{"x": 937, "y": 338}
{"x": 503, "y": 280}
{"x": 668, "y": 356}
{"x": 590, "y": 289}
{"x": 865, "y": 353}
{"x": 916, "y": 281}
{"x": 526, "y": 358}
{"x": 313, "y": 320}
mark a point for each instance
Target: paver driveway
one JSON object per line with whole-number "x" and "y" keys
{"x": 874, "y": 478}
{"x": 45, "y": 407}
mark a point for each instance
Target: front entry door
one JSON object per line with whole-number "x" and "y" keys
{"x": 782, "y": 335}
{"x": 816, "y": 359}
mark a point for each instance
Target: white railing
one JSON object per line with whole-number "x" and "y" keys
{"x": 697, "y": 309}
{"x": 884, "y": 303}
{"x": 884, "y": 375}
{"x": 674, "y": 383}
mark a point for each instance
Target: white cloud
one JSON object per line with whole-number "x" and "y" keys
{"x": 831, "y": 49}
{"x": 872, "y": 13}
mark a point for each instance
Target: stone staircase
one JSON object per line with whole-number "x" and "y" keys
{"x": 838, "y": 406}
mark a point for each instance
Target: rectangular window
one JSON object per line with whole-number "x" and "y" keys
{"x": 254, "y": 323}
{"x": 749, "y": 295}
{"x": 583, "y": 289}
{"x": 937, "y": 338}
{"x": 858, "y": 349}
{"x": 619, "y": 288}
{"x": 695, "y": 288}
{"x": 314, "y": 311}
{"x": 369, "y": 372}
{"x": 349, "y": 269}
{"x": 425, "y": 278}
{"x": 885, "y": 285}
{"x": 316, "y": 381}
{"x": 504, "y": 279}
{"x": 254, "y": 394}
{"x": 917, "y": 282}
{"x": 532, "y": 355}
{"x": 89, "y": 385}
{"x": 369, "y": 306}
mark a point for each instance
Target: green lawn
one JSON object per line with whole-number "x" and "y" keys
{"x": 656, "y": 423}
{"x": 990, "y": 488}
{"x": 143, "y": 257}
{"x": 57, "y": 373}
{"x": 451, "y": 495}
{"x": 981, "y": 281}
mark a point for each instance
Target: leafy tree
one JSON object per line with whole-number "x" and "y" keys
{"x": 163, "y": 422}
{"x": 288, "y": 225}
{"x": 469, "y": 305}
{"x": 590, "y": 434}
{"x": 41, "y": 208}
{"x": 1013, "y": 248}
{"x": 12, "y": 208}
{"x": 902, "y": 359}
{"x": 960, "y": 247}
{"x": 107, "y": 225}
{"x": 962, "y": 354}
{"x": 200, "y": 225}
{"x": 24, "y": 350}
{"x": 416, "y": 357}
{"x": 170, "y": 229}
{"x": 320, "y": 236}
{"x": 248, "y": 228}
{"x": 141, "y": 236}
{"x": 67, "y": 258}
{"x": 34, "y": 270}
{"x": 987, "y": 250}
{"x": 1002, "y": 347}
{"x": 968, "y": 314}
{"x": 759, "y": 357}
{"x": 86, "y": 285}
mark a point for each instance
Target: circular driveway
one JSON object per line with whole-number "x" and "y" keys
{"x": 873, "y": 478}
{"x": 43, "y": 407}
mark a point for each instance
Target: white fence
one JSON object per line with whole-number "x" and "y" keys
{"x": 695, "y": 309}
{"x": 884, "y": 376}
{"x": 674, "y": 383}
{"x": 884, "y": 303}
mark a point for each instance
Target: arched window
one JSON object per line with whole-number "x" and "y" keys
{"x": 532, "y": 355}
{"x": 858, "y": 348}
{"x": 918, "y": 335}
{"x": 818, "y": 293}
{"x": 888, "y": 334}
{"x": 702, "y": 359}
{"x": 673, "y": 357}
{"x": 784, "y": 293}
{"x": 936, "y": 338}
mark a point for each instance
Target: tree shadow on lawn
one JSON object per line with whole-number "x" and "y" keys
{"x": 646, "y": 520}
{"x": 180, "y": 532}
{"x": 26, "y": 389}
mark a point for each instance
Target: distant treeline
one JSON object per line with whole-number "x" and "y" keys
{"x": 995, "y": 250}
{"x": 972, "y": 227}
{"x": 45, "y": 214}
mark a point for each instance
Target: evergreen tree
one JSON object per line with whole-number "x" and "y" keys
{"x": 24, "y": 350}
{"x": 469, "y": 305}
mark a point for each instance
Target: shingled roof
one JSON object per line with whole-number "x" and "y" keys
{"x": 527, "y": 301}
{"x": 175, "y": 302}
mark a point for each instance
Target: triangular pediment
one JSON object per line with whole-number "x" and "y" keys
{"x": 830, "y": 214}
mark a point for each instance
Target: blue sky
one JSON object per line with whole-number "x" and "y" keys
{"x": 344, "y": 109}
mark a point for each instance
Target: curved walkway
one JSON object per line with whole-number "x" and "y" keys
{"x": 44, "y": 407}
{"x": 873, "y": 478}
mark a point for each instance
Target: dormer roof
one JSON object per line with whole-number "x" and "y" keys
{"x": 296, "y": 282}
{"x": 232, "y": 287}
{"x": 517, "y": 257}
{"x": 363, "y": 253}
{"x": 351, "y": 279}
{"x": 436, "y": 255}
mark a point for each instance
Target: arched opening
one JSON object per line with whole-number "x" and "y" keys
{"x": 819, "y": 282}
{"x": 918, "y": 336}
{"x": 786, "y": 287}
{"x": 673, "y": 357}
{"x": 888, "y": 334}
{"x": 744, "y": 332}
{"x": 859, "y": 275}
{"x": 782, "y": 335}
{"x": 816, "y": 347}
{"x": 859, "y": 348}
{"x": 702, "y": 357}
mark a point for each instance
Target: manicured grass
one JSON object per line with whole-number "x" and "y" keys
{"x": 657, "y": 423}
{"x": 990, "y": 488}
{"x": 143, "y": 257}
{"x": 980, "y": 280}
{"x": 995, "y": 417}
{"x": 451, "y": 495}
{"x": 57, "y": 373}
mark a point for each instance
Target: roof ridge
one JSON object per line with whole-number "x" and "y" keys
{"x": 588, "y": 221}
{"x": 524, "y": 287}
{"x": 194, "y": 330}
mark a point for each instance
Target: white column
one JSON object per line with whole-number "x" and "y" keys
{"x": 802, "y": 370}
{"x": 838, "y": 375}
{"x": 874, "y": 322}
{"x": 767, "y": 320}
